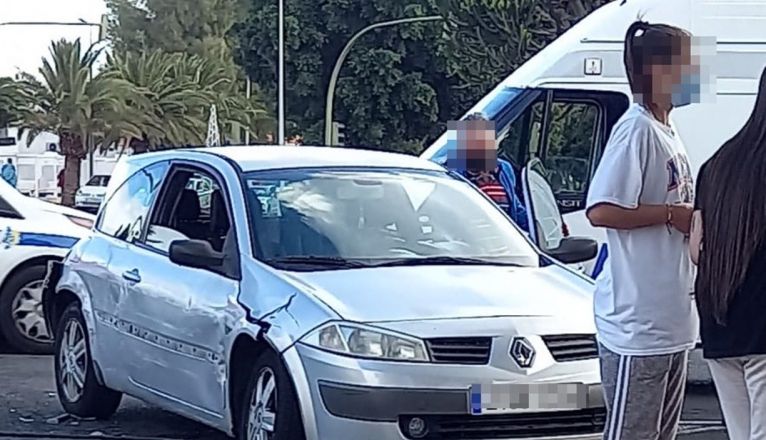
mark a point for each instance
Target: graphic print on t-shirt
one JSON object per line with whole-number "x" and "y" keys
{"x": 680, "y": 177}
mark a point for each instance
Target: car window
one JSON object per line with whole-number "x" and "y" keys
{"x": 571, "y": 139}
{"x": 124, "y": 215}
{"x": 7, "y": 210}
{"x": 98, "y": 181}
{"x": 374, "y": 215}
{"x": 192, "y": 207}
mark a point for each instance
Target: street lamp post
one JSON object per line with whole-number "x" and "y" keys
{"x": 342, "y": 57}
{"x": 281, "y": 79}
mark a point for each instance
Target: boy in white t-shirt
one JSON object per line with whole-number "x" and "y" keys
{"x": 642, "y": 193}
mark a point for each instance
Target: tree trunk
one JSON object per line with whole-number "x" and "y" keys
{"x": 73, "y": 151}
{"x": 72, "y": 166}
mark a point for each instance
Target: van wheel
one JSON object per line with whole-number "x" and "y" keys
{"x": 22, "y": 321}
{"x": 78, "y": 389}
{"x": 270, "y": 409}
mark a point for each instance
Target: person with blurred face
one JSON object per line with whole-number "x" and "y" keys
{"x": 475, "y": 157}
{"x": 642, "y": 193}
{"x": 728, "y": 242}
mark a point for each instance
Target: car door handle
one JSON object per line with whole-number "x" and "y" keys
{"x": 132, "y": 276}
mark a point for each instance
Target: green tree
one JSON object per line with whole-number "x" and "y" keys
{"x": 74, "y": 104}
{"x": 199, "y": 29}
{"x": 15, "y": 100}
{"x": 172, "y": 97}
{"x": 488, "y": 39}
{"x": 392, "y": 90}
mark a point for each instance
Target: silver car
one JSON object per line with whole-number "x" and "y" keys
{"x": 322, "y": 293}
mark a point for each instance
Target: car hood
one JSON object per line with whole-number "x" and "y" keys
{"x": 447, "y": 292}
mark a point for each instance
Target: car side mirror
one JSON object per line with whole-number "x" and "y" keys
{"x": 573, "y": 250}
{"x": 195, "y": 253}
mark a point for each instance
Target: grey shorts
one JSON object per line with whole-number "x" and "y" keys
{"x": 644, "y": 395}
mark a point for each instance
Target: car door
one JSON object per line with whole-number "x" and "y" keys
{"x": 546, "y": 225}
{"x": 104, "y": 269}
{"x": 178, "y": 314}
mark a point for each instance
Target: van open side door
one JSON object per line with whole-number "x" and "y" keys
{"x": 546, "y": 225}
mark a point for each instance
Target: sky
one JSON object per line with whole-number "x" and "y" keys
{"x": 23, "y": 47}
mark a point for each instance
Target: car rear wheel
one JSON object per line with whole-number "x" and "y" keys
{"x": 21, "y": 312}
{"x": 78, "y": 389}
{"x": 270, "y": 409}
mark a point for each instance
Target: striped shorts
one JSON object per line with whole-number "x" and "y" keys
{"x": 644, "y": 395}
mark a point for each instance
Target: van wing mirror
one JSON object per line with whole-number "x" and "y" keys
{"x": 573, "y": 250}
{"x": 195, "y": 253}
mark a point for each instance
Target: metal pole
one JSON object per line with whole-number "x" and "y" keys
{"x": 91, "y": 147}
{"x": 281, "y": 138}
{"x": 247, "y": 93}
{"x": 342, "y": 57}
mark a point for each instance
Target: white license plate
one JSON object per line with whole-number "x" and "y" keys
{"x": 503, "y": 398}
{"x": 94, "y": 200}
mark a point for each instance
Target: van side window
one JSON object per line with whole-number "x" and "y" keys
{"x": 572, "y": 136}
{"x": 521, "y": 141}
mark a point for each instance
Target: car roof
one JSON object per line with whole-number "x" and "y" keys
{"x": 261, "y": 158}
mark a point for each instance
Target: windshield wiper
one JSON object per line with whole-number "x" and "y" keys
{"x": 444, "y": 260}
{"x": 316, "y": 261}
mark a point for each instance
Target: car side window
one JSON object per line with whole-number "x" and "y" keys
{"x": 192, "y": 206}
{"x": 125, "y": 213}
{"x": 7, "y": 210}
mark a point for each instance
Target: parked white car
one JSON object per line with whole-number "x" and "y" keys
{"x": 32, "y": 232}
{"x": 324, "y": 293}
{"x": 90, "y": 196}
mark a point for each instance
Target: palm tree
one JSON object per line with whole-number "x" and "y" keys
{"x": 74, "y": 104}
{"x": 174, "y": 93}
{"x": 15, "y": 99}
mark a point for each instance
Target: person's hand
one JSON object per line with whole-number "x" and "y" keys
{"x": 681, "y": 217}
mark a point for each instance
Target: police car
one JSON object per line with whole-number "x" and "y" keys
{"x": 32, "y": 233}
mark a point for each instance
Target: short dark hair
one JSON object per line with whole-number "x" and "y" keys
{"x": 477, "y": 116}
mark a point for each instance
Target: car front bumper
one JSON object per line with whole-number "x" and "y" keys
{"x": 346, "y": 398}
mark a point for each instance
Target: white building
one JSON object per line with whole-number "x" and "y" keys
{"x": 39, "y": 163}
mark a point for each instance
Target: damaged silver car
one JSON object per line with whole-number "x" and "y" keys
{"x": 317, "y": 293}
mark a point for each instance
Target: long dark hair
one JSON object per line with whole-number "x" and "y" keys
{"x": 734, "y": 212}
{"x": 650, "y": 44}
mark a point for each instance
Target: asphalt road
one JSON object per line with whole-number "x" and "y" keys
{"x": 29, "y": 408}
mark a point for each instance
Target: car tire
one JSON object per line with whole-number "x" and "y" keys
{"x": 281, "y": 406}
{"x": 78, "y": 389}
{"x": 15, "y": 287}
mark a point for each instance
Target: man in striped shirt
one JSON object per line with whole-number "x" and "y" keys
{"x": 475, "y": 157}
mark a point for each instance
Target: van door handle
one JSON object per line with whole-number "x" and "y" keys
{"x": 132, "y": 276}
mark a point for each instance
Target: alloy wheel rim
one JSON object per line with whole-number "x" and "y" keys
{"x": 27, "y": 313}
{"x": 73, "y": 361}
{"x": 263, "y": 407}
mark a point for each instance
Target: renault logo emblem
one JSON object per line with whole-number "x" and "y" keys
{"x": 522, "y": 352}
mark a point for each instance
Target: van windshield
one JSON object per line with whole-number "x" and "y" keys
{"x": 369, "y": 217}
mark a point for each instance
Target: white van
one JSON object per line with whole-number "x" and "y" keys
{"x": 557, "y": 110}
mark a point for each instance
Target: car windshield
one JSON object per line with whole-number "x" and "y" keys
{"x": 98, "y": 181}
{"x": 363, "y": 217}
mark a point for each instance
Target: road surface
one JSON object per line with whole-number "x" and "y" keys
{"x": 29, "y": 408}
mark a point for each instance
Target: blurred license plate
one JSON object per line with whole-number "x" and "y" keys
{"x": 502, "y": 398}
{"x": 94, "y": 200}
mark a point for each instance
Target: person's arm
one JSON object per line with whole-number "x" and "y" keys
{"x": 695, "y": 237}
{"x": 606, "y": 215}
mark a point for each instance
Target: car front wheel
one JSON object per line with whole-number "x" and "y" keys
{"x": 78, "y": 389}
{"x": 270, "y": 410}
{"x": 21, "y": 312}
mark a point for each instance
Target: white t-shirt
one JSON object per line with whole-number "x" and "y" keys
{"x": 643, "y": 302}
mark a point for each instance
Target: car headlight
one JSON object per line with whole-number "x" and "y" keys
{"x": 366, "y": 342}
